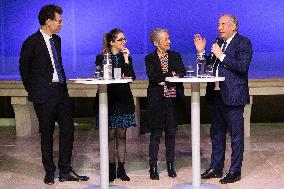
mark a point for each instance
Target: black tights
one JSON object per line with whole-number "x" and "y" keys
{"x": 117, "y": 141}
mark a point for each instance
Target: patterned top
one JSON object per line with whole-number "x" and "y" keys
{"x": 169, "y": 92}
{"x": 115, "y": 59}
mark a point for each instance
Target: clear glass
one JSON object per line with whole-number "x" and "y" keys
{"x": 176, "y": 75}
{"x": 209, "y": 71}
{"x": 98, "y": 72}
{"x": 189, "y": 71}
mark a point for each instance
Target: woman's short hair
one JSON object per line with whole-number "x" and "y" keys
{"x": 154, "y": 36}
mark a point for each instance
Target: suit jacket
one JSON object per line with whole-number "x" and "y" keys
{"x": 119, "y": 95}
{"x": 36, "y": 67}
{"x": 234, "y": 90}
{"x": 155, "y": 92}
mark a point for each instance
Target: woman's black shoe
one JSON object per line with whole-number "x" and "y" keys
{"x": 112, "y": 172}
{"x": 154, "y": 172}
{"x": 121, "y": 172}
{"x": 48, "y": 179}
{"x": 171, "y": 170}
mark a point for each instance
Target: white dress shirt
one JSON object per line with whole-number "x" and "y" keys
{"x": 47, "y": 42}
{"x": 228, "y": 41}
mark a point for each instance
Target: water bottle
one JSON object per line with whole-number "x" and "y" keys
{"x": 107, "y": 67}
{"x": 200, "y": 66}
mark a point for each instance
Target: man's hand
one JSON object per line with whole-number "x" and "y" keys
{"x": 199, "y": 43}
{"x": 216, "y": 50}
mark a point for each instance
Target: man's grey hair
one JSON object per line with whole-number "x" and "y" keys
{"x": 234, "y": 19}
{"x": 154, "y": 36}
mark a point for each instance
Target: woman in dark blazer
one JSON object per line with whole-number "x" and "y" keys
{"x": 163, "y": 98}
{"x": 120, "y": 102}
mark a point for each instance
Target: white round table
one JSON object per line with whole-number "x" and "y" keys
{"x": 103, "y": 120}
{"x": 195, "y": 130}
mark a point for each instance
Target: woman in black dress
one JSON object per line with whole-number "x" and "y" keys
{"x": 163, "y": 97}
{"x": 120, "y": 102}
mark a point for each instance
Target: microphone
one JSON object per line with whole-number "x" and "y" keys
{"x": 216, "y": 42}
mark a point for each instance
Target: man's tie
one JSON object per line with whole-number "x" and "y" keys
{"x": 224, "y": 46}
{"x": 56, "y": 62}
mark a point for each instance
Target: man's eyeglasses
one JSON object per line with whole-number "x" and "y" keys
{"x": 59, "y": 21}
{"x": 122, "y": 39}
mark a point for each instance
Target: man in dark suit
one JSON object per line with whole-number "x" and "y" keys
{"x": 231, "y": 57}
{"x": 45, "y": 81}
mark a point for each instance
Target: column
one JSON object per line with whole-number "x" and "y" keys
{"x": 26, "y": 120}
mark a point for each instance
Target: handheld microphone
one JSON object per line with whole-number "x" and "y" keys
{"x": 216, "y": 42}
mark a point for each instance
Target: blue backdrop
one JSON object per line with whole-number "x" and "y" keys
{"x": 85, "y": 22}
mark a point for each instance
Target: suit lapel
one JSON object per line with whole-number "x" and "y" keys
{"x": 157, "y": 62}
{"x": 43, "y": 46}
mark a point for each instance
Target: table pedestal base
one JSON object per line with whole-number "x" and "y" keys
{"x": 190, "y": 186}
{"x": 110, "y": 186}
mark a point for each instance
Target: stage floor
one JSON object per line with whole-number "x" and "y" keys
{"x": 263, "y": 165}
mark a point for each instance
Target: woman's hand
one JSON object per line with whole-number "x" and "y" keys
{"x": 126, "y": 53}
{"x": 161, "y": 83}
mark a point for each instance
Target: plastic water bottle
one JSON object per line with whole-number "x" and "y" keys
{"x": 200, "y": 66}
{"x": 107, "y": 67}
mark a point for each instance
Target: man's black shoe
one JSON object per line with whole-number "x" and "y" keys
{"x": 211, "y": 173}
{"x": 48, "y": 179}
{"x": 231, "y": 177}
{"x": 72, "y": 176}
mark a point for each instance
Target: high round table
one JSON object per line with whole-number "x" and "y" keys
{"x": 195, "y": 130}
{"x": 103, "y": 120}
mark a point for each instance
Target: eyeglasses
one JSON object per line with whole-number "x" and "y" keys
{"x": 59, "y": 21}
{"x": 122, "y": 39}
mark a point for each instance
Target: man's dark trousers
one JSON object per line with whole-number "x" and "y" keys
{"x": 226, "y": 118}
{"x": 57, "y": 108}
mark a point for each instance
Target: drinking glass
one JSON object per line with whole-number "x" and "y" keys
{"x": 98, "y": 73}
{"x": 209, "y": 71}
{"x": 189, "y": 71}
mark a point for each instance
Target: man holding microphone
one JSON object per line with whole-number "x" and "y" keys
{"x": 231, "y": 58}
